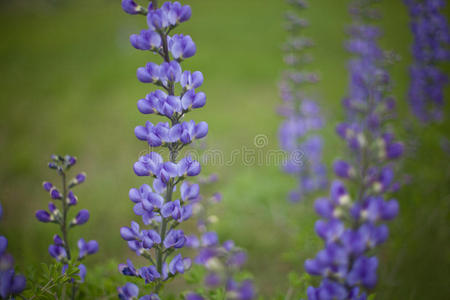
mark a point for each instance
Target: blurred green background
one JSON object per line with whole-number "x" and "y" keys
{"x": 68, "y": 85}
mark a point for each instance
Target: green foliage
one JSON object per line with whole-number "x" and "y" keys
{"x": 195, "y": 274}
{"x": 48, "y": 281}
{"x": 298, "y": 285}
{"x": 102, "y": 282}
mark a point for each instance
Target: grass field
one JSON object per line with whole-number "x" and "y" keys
{"x": 68, "y": 86}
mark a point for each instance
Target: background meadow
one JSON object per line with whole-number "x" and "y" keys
{"x": 68, "y": 85}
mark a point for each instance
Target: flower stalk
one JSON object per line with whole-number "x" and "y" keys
{"x": 61, "y": 250}
{"x": 352, "y": 224}
{"x": 160, "y": 208}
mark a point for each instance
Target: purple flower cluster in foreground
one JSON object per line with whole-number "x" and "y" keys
{"x": 221, "y": 261}
{"x": 352, "y": 223}
{"x": 431, "y": 47}
{"x": 302, "y": 115}
{"x": 160, "y": 241}
{"x": 11, "y": 284}
{"x": 62, "y": 199}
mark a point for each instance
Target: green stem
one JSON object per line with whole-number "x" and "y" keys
{"x": 64, "y": 222}
{"x": 64, "y": 230}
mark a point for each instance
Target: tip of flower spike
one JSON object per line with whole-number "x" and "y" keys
{"x": 70, "y": 160}
{"x": 56, "y": 157}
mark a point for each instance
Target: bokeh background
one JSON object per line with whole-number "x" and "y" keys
{"x": 68, "y": 85}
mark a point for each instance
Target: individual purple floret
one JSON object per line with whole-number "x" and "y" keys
{"x": 61, "y": 249}
{"x": 352, "y": 220}
{"x": 158, "y": 203}
{"x": 11, "y": 284}
{"x": 430, "y": 49}
{"x": 302, "y": 115}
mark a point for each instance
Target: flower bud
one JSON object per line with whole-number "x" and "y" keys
{"x": 52, "y": 208}
{"x": 43, "y": 216}
{"x": 57, "y": 240}
{"x": 55, "y": 194}
{"x": 130, "y": 7}
{"x": 55, "y": 157}
{"x": 47, "y": 186}
{"x": 80, "y": 178}
{"x": 81, "y": 218}
{"x": 71, "y": 199}
{"x": 70, "y": 160}
{"x": 52, "y": 165}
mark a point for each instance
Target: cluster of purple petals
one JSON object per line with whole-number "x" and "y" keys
{"x": 159, "y": 102}
{"x": 162, "y": 134}
{"x": 353, "y": 225}
{"x": 60, "y": 250}
{"x": 302, "y": 115}
{"x": 153, "y": 165}
{"x": 130, "y": 291}
{"x": 11, "y": 284}
{"x": 431, "y": 48}
{"x": 222, "y": 261}
{"x": 161, "y": 212}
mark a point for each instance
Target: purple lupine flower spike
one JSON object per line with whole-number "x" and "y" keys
{"x": 156, "y": 204}
{"x": 11, "y": 284}
{"x": 222, "y": 261}
{"x": 430, "y": 49}
{"x": 352, "y": 224}
{"x": 58, "y": 214}
{"x": 302, "y": 115}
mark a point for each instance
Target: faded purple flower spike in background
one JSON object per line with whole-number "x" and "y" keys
{"x": 430, "y": 49}
{"x": 352, "y": 224}
{"x": 11, "y": 284}
{"x": 223, "y": 262}
{"x": 61, "y": 249}
{"x": 161, "y": 212}
{"x": 302, "y": 115}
